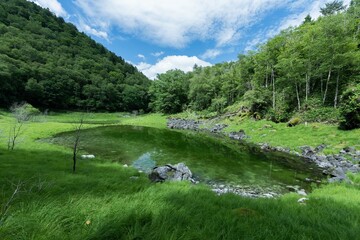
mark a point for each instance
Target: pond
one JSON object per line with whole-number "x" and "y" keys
{"x": 210, "y": 158}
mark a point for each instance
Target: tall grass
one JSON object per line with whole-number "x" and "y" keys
{"x": 104, "y": 200}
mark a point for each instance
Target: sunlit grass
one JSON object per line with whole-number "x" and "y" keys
{"x": 105, "y": 200}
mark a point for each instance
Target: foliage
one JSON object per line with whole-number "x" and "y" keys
{"x": 332, "y": 7}
{"x": 350, "y": 108}
{"x": 50, "y": 64}
{"x": 169, "y": 92}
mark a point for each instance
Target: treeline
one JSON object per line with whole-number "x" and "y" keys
{"x": 302, "y": 70}
{"x": 50, "y": 64}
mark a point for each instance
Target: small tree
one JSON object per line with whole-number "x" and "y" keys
{"x": 22, "y": 112}
{"x": 77, "y": 135}
{"x": 332, "y": 8}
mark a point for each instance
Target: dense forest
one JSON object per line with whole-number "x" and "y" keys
{"x": 307, "y": 71}
{"x": 311, "y": 71}
{"x": 50, "y": 64}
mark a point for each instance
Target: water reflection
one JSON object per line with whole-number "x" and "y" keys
{"x": 144, "y": 163}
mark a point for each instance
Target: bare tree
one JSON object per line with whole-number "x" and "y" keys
{"x": 22, "y": 112}
{"x": 77, "y": 135}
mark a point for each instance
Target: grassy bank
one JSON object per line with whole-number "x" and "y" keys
{"x": 279, "y": 134}
{"x": 104, "y": 200}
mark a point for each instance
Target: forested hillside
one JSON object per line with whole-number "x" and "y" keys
{"x": 50, "y": 64}
{"x": 301, "y": 71}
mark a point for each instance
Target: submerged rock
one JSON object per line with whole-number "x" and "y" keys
{"x": 177, "y": 172}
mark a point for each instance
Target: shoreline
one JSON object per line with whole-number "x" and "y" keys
{"x": 334, "y": 165}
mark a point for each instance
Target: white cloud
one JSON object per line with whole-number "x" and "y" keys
{"x": 252, "y": 44}
{"x": 211, "y": 53}
{"x": 177, "y": 23}
{"x": 53, "y": 5}
{"x": 157, "y": 54}
{"x": 184, "y": 63}
{"x": 84, "y": 27}
{"x": 101, "y": 34}
{"x": 141, "y": 56}
{"x": 296, "y": 19}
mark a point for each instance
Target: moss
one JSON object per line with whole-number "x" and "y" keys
{"x": 293, "y": 122}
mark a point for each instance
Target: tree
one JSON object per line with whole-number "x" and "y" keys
{"x": 307, "y": 19}
{"x": 22, "y": 113}
{"x": 169, "y": 92}
{"x": 77, "y": 136}
{"x": 332, "y": 8}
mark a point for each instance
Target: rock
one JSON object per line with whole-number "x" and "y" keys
{"x": 125, "y": 165}
{"x": 301, "y": 192}
{"x": 339, "y": 173}
{"x": 307, "y": 151}
{"x": 218, "y": 128}
{"x": 89, "y": 156}
{"x": 265, "y": 147}
{"x": 349, "y": 150}
{"x": 302, "y": 200}
{"x": 178, "y": 123}
{"x": 293, "y": 122}
{"x": 177, "y": 172}
{"x": 240, "y": 135}
{"x": 292, "y": 188}
{"x": 268, "y": 195}
{"x": 320, "y": 148}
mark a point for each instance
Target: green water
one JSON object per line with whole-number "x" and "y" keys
{"x": 209, "y": 158}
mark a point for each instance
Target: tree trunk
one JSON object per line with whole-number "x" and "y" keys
{"x": 307, "y": 87}
{"x": 75, "y": 153}
{"x": 327, "y": 84}
{"x": 321, "y": 85}
{"x": 337, "y": 89}
{"x": 267, "y": 76}
{"x": 298, "y": 96}
{"x": 273, "y": 87}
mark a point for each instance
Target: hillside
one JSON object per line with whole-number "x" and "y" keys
{"x": 310, "y": 72}
{"x": 50, "y": 64}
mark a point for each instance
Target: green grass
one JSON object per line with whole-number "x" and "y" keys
{"x": 278, "y": 134}
{"x": 312, "y": 134}
{"x": 120, "y": 203}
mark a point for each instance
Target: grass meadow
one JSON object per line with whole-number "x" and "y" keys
{"x": 105, "y": 200}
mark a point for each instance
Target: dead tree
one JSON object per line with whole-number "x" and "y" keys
{"x": 22, "y": 112}
{"x": 77, "y": 136}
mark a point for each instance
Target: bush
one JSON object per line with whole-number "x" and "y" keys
{"x": 314, "y": 111}
{"x": 350, "y": 108}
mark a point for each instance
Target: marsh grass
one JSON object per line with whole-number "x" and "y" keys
{"x": 104, "y": 200}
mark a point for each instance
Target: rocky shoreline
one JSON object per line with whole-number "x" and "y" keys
{"x": 334, "y": 165}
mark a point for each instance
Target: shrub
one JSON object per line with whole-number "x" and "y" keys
{"x": 350, "y": 108}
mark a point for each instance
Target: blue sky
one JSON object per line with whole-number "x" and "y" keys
{"x": 158, "y": 35}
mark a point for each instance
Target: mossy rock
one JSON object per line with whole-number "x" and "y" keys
{"x": 293, "y": 122}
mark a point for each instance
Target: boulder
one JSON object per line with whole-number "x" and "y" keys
{"x": 89, "y": 156}
{"x": 177, "y": 172}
